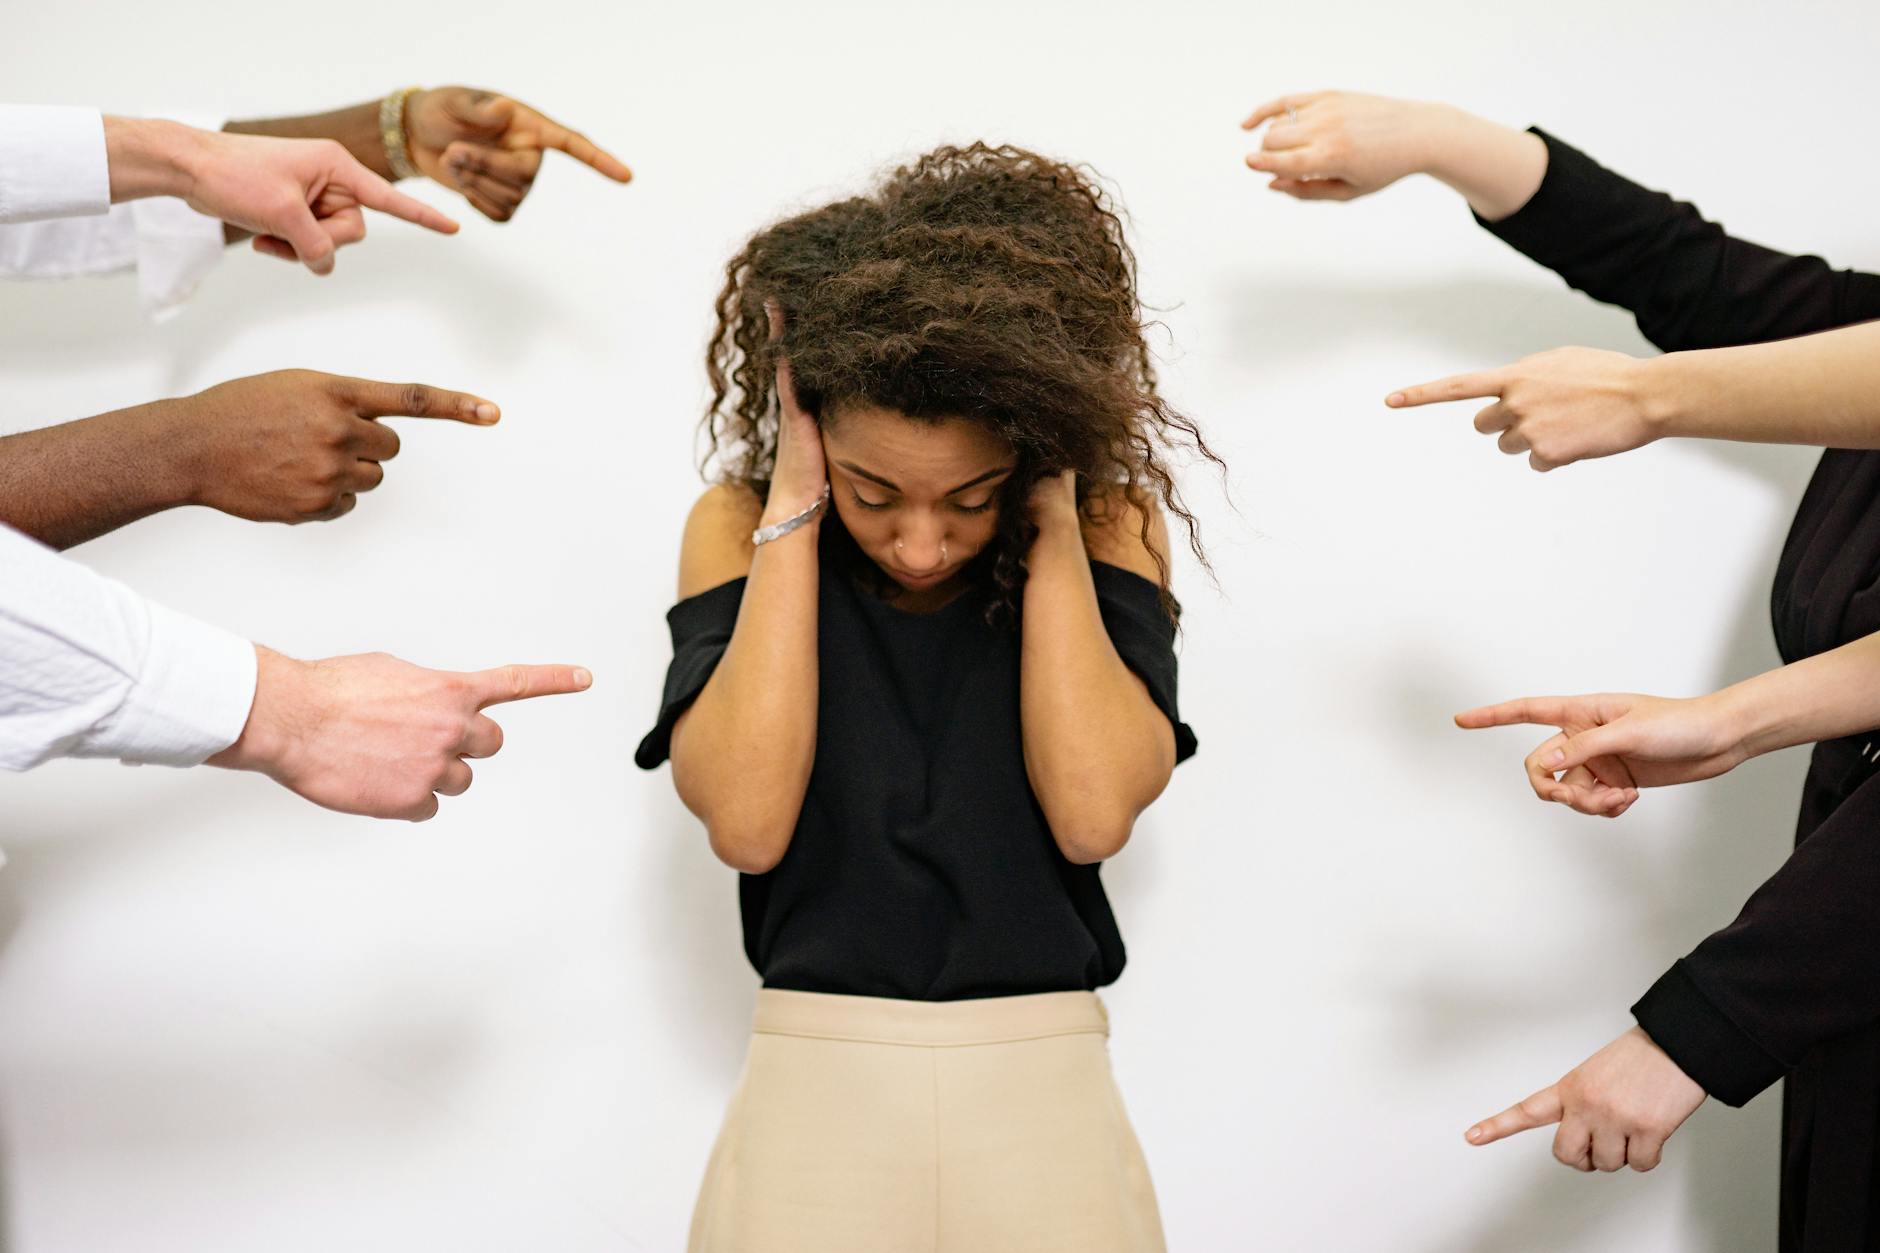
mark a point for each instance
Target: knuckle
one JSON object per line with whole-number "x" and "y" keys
{"x": 415, "y": 397}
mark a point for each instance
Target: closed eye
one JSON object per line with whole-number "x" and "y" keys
{"x": 866, "y": 503}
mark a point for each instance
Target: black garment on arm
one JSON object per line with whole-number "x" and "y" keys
{"x": 921, "y": 866}
{"x": 1793, "y": 985}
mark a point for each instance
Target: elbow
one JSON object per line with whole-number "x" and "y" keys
{"x": 1090, "y": 838}
{"x": 749, "y": 847}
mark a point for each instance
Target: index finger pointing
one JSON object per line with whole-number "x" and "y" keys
{"x": 1540, "y": 1110}
{"x": 415, "y": 400}
{"x": 1456, "y": 387}
{"x": 507, "y": 683}
{"x": 583, "y": 149}
{"x": 1527, "y": 711}
{"x": 375, "y": 193}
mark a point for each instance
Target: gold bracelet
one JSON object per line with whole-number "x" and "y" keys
{"x": 392, "y": 133}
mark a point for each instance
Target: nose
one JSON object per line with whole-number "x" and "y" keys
{"x": 921, "y": 549}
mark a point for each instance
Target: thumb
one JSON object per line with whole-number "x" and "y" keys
{"x": 484, "y": 112}
{"x": 1614, "y": 739}
{"x": 304, "y": 235}
{"x": 1540, "y": 1110}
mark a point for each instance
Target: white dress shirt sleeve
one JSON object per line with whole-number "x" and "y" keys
{"x": 52, "y": 163}
{"x": 90, "y": 669}
{"x": 43, "y": 149}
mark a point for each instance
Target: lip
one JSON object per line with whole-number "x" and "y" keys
{"x": 916, "y": 580}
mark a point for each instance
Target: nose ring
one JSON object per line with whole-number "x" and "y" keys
{"x": 899, "y": 544}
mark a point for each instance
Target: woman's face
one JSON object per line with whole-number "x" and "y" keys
{"x": 920, "y": 498}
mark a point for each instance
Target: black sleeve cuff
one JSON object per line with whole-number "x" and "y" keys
{"x": 1705, "y": 1044}
{"x": 701, "y": 629}
{"x": 1144, "y": 637}
{"x": 1542, "y": 228}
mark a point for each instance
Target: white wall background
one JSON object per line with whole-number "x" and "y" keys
{"x": 234, "y": 1022}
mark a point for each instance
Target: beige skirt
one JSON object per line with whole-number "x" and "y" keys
{"x": 869, "y": 1125}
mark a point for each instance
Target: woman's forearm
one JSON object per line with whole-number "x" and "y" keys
{"x": 741, "y": 755}
{"x": 73, "y": 482}
{"x": 1821, "y": 390}
{"x": 1097, "y": 749}
{"x": 1496, "y": 168}
{"x": 1824, "y": 697}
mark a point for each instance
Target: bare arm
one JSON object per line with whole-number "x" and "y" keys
{"x": 1097, "y": 749}
{"x": 484, "y": 145}
{"x": 1611, "y": 744}
{"x": 741, "y": 755}
{"x": 290, "y": 446}
{"x": 1572, "y": 404}
{"x": 1339, "y": 145}
{"x": 73, "y": 482}
{"x": 1822, "y": 390}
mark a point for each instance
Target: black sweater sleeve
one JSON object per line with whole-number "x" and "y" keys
{"x": 1688, "y": 283}
{"x": 1799, "y": 966}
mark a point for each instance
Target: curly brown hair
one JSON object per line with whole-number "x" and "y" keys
{"x": 979, "y": 282}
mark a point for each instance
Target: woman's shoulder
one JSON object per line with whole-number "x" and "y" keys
{"x": 1124, "y": 527}
{"x": 717, "y": 545}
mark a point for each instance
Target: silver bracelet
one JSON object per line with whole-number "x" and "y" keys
{"x": 777, "y": 530}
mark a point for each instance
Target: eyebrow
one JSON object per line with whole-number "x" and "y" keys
{"x": 860, "y": 473}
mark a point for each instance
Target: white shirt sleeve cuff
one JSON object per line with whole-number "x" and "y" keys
{"x": 52, "y": 163}
{"x": 176, "y": 248}
{"x": 191, "y": 699}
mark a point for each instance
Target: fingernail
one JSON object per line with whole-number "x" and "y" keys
{"x": 486, "y": 412}
{"x": 1394, "y": 399}
{"x": 1560, "y": 755}
{"x": 582, "y": 678}
{"x": 1475, "y": 1133}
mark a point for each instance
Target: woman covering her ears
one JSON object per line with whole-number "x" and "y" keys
{"x": 923, "y": 684}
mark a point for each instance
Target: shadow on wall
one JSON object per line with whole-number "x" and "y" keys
{"x": 706, "y": 992}
{"x": 1742, "y": 830}
{"x": 1486, "y": 322}
{"x": 497, "y": 312}
{"x": 151, "y": 1097}
{"x": 9, "y": 923}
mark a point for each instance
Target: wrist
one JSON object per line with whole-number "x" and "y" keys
{"x": 164, "y": 438}
{"x": 147, "y": 157}
{"x": 170, "y": 436}
{"x": 265, "y": 742}
{"x": 1060, "y": 531}
{"x": 1747, "y": 718}
{"x": 784, "y": 503}
{"x": 1496, "y": 168}
{"x": 1442, "y": 137}
{"x": 1661, "y": 393}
